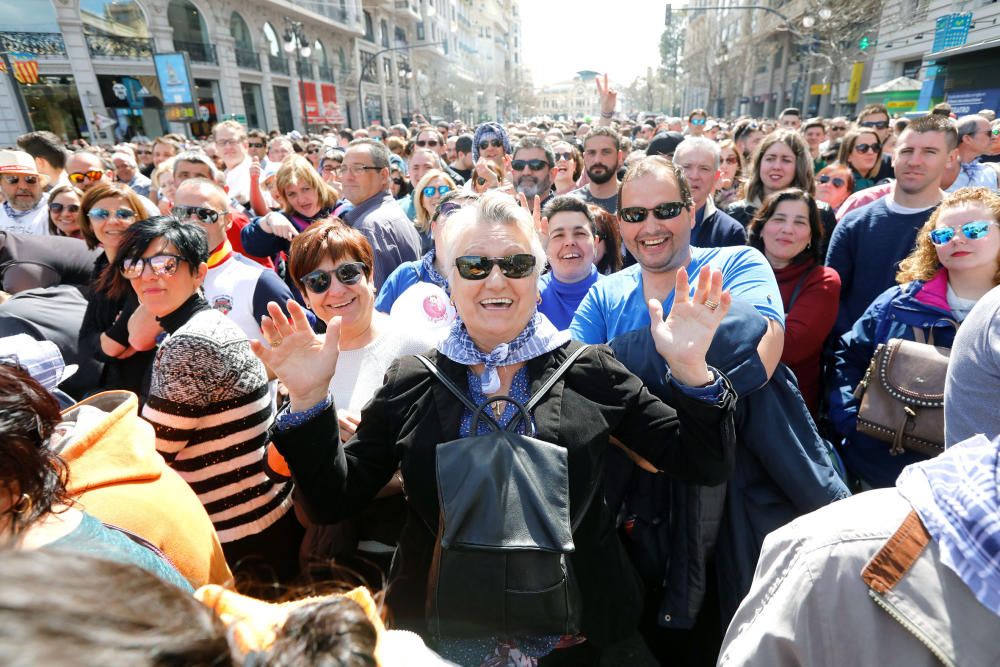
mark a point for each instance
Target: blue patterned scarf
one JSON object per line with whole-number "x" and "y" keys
{"x": 537, "y": 338}
{"x": 431, "y": 274}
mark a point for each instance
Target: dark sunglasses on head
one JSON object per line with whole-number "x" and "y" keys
{"x": 160, "y": 265}
{"x": 496, "y": 143}
{"x": 864, "y": 148}
{"x": 431, "y": 190}
{"x": 973, "y": 231}
{"x": 877, "y": 124}
{"x": 837, "y": 182}
{"x": 14, "y": 180}
{"x": 104, "y": 214}
{"x": 81, "y": 176}
{"x": 254, "y": 144}
{"x": 533, "y": 165}
{"x": 478, "y": 267}
{"x": 445, "y": 209}
{"x": 204, "y": 214}
{"x": 57, "y": 208}
{"x": 433, "y": 143}
{"x": 349, "y": 273}
{"x": 664, "y": 211}
{"x": 563, "y": 156}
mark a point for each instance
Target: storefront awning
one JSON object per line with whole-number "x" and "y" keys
{"x": 944, "y": 54}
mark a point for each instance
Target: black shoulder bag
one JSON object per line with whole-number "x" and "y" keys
{"x": 500, "y": 563}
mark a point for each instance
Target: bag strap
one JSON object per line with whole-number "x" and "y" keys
{"x": 798, "y": 288}
{"x": 453, "y": 388}
{"x": 920, "y": 337}
{"x": 548, "y": 384}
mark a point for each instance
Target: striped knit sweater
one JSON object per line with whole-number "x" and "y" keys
{"x": 210, "y": 406}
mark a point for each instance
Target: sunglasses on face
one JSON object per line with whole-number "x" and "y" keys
{"x": 81, "y": 176}
{"x": 478, "y": 267}
{"x": 319, "y": 281}
{"x": 202, "y": 213}
{"x": 431, "y": 190}
{"x": 533, "y": 165}
{"x": 433, "y": 143}
{"x": 732, "y": 159}
{"x": 14, "y": 180}
{"x": 664, "y": 211}
{"x": 877, "y": 124}
{"x": 496, "y": 143}
{"x": 838, "y": 128}
{"x": 254, "y": 144}
{"x": 398, "y": 181}
{"x": 973, "y": 231}
{"x": 101, "y": 214}
{"x": 58, "y": 208}
{"x": 143, "y": 152}
{"x": 697, "y": 121}
{"x": 312, "y": 151}
{"x": 564, "y": 156}
{"x": 837, "y": 182}
{"x": 864, "y": 148}
{"x": 160, "y": 265}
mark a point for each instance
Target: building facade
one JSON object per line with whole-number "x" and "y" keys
{"x": 572, "y": 99}
{"x": 86, "y": 67}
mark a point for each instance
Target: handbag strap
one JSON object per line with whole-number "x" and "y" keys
{"x": 537, "y": 397}
{"x": 453, "y": 388}
{"x": 920, "y": 337}
{"x": 798, "y": 288}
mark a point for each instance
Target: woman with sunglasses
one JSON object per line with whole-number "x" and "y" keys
{"x": 731, "y": 165}
{"x": 107, "y": 211}
{"x": 434, "y": 185}
{"x": 501, "y": 346}
{"x": 209, "y": 401}
{"x": 834, "y": 184}
{"x": 787, "y": 229}
{"x": 64, "y": 211}
{"x": 569, "y": 166}
{"x": 955, "y": 262}
{"x": 861, "y": 150}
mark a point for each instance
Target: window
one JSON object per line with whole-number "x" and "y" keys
{"x": 273, "y": 47}
{"x": 369, "y": 27}
{"x": 240, "y": 32}
{"x": 911, "y": 69}
{"x": 383, "y": 29}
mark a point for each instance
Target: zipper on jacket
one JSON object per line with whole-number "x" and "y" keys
{"x": 914, "y": 630}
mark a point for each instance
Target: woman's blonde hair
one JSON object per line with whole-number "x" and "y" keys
{"x": 922, "y": 263}
{"x": 296, "y": 170}
{"x": 423, "y": 221}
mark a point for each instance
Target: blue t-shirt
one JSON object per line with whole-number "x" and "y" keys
{"x": 560, "y": 300}
{"x": 616, "y": 305}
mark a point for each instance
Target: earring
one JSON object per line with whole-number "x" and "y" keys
{"x": 24, "y": 505}
{"x": 539, "y": 299}
{"x": 809, "y": 246}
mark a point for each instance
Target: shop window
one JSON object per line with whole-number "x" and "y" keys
{"x": 54, "y": 105}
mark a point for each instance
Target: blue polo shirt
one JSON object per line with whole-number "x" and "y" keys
{"x": 615, "y": 305}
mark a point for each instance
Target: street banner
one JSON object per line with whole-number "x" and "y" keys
{"x": 174, "y": 73}
{"x": 854, "y": 91}
{"x": 310, "y": 105}
{"x": 25, "y": 67}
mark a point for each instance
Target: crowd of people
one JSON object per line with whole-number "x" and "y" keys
{"x": 555, "y": 392}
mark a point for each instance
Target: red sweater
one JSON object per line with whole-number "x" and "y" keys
{"x": 809, "y": 323}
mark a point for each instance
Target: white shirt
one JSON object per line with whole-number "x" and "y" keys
{"x": 238, "y": 181}
{"x": 34, "y": 222}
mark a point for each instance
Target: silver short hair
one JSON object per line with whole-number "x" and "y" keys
{"x": 695, "y": 143}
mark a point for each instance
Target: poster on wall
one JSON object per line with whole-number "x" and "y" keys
{"x": 331, "y": 110}
{"x": 310, "y": 105}
{"x": 174, "y": 73}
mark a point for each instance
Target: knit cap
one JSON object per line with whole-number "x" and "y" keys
{"x": 487, "y": 132}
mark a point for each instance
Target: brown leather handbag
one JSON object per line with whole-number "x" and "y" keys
{"x": 902, "y": 396}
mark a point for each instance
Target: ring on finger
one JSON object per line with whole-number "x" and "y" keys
{"x": 711, "y": 305}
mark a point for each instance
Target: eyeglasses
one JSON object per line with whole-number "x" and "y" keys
{"x": 254, "y": 144}
{"x": 837, "y": 182}
{"x": 697, "y": 121}
{"x": 79, "y": 177}
{"x": 877, "y": 124}
{"x": 204, "y": 214}
{"x": 838, "y": 128}
{"x": 664, "y": 211}
{"x": 973, "y": 231}
{"x": 496, "y": 143}
{"x": 358, "y": 169}
{"x": 349, "y": 273}
{"x": 331, "y": 167}
{"x": 864, "y": 148}
{"x": 14, "y": 180}
{"x": 227, "y": 142}
{"x": 161, "y": 266}
{"x": 478, "y": 267}
{"x": 433, "y": 143}
{"x": 563, "y": 156}
{"x": 101, "y": 214}
{"x": 430, "y": 190}
{"x": 533, "y": 165}
{"x": 57, "y": 208}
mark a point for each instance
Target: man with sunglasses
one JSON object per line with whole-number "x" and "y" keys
{"x": 696, "y": 122}
{"x": 24, "y": 209}
{"x": 257, "y": 146}
{"x": 85, "y": 169}
{"x": 431, "y": 139}
{"x": 143, "y": 149}
{"x": 602, "y": 156}
{"x": 234, "y": 285}
{"x": 533, "y": 169}
{"x": 974, "y": 139}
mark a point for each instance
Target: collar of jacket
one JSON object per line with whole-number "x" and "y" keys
{"x": 907, "y": 580}
{"x": 920, "y": 297}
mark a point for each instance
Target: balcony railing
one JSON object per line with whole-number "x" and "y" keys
{"x": 278, "y": 64}
{"x": 111, "y": 46}
{"x": 42, "y": 44}
{"x": 247, "y": 59}
{"x": 326, "y": 73}
{"x": 198, "y": 52}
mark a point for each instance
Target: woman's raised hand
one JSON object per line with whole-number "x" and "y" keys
{"x": 684, "y": 337}
{"x": 303, "y": 360}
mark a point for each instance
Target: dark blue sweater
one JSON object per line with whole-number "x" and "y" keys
{"x": 865, "y": 249}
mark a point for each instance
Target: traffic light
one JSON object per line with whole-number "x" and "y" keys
{"x": 864, "y": 43}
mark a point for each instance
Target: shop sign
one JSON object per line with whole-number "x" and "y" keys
{"x": 819, "y": 89}
{"x": 177, "y": 114}
{"x": 972, "y": 101}
{"x": 310, "y": 107}
{"x": 900, "y": 106}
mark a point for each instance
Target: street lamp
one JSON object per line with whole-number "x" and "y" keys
{"x": 295, "y": 38}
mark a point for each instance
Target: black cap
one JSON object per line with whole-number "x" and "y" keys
{"x": 665, "y": 143}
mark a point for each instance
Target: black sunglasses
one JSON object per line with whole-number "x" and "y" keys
{"x": 496, "y": 143}
{"x": 254, "y": 144}
{"x": 864, "y": 148}
{"x": 563, "y": 156}
{"x": 204, "y": 214}
{"x": 319, "y": 281}
{"x": 433, "y": 143}
{"x": 478, "y": 267}
{"x": 837, "y": 182}
{"x": 877, "y": 124}
{"x": 533, "y": 165}
{"x": 664, "y": 211}
{"x": 57, "y": 208}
